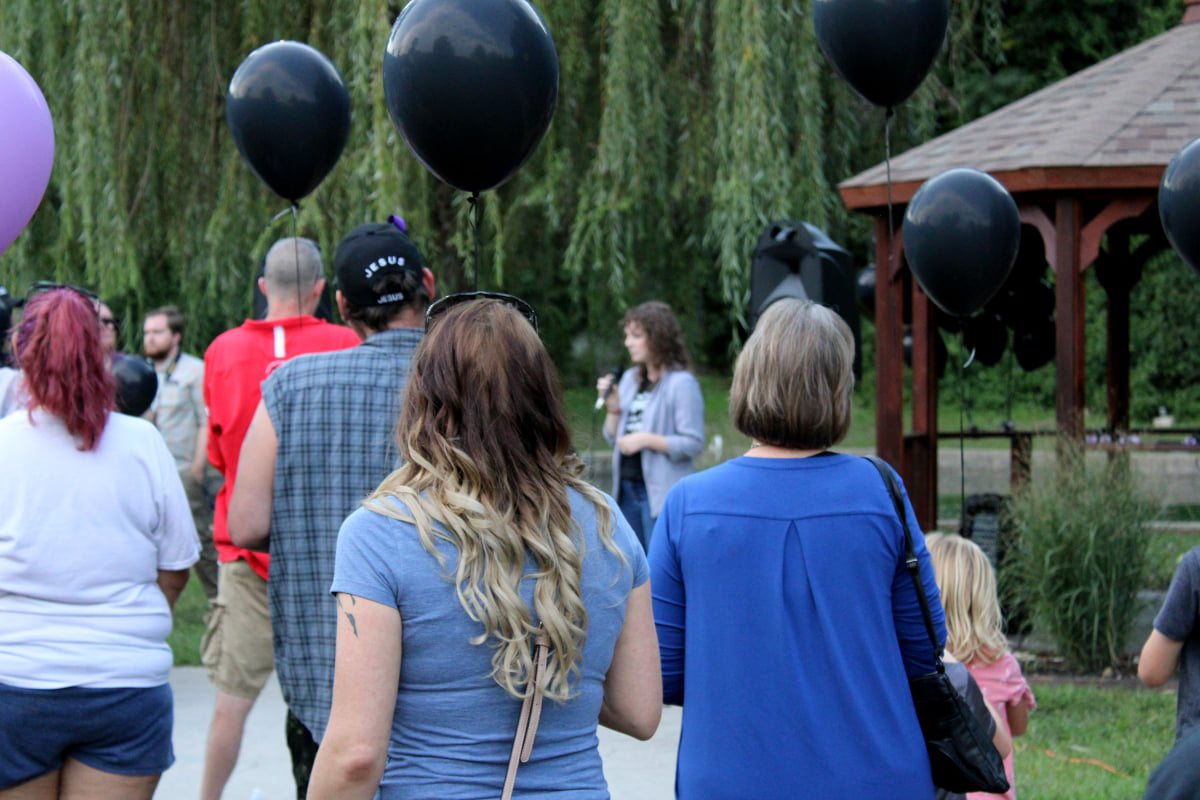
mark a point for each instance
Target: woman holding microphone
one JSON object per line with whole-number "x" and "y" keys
{"x": 655, "y": 419}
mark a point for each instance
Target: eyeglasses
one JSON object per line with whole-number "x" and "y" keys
{"x": 448, "y": 302}
{"x": 48, "y": 286}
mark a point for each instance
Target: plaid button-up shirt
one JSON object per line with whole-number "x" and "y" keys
{"x": 334, "y": 415}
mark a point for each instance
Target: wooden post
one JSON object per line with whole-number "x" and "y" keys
{"x": 1069, "y": 321}
{"x": 1113, "y": 273}
{"x": 920, "y": 447}
{"x": 1021, "y": 461}
{"x": 889, "y": 348}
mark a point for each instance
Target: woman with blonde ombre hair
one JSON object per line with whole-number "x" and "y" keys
{"x": 479, "y": 577}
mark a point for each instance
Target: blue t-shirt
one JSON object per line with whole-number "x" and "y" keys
{"x": 453, "y": 727}
{"x": 787, "y": 623}
{"x": 1177, "y": 620}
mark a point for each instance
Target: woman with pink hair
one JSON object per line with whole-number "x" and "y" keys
{"x": 96, "y": 541}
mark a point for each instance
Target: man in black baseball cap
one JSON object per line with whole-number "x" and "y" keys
{"x": 366, "y": 260}
{"x": 323, "y": 435}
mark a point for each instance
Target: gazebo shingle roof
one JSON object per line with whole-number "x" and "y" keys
{"x": 1135, "y": 109}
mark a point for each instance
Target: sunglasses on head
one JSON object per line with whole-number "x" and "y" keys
{"x": 439, "y": 307}
{"x": 49, "y": 286}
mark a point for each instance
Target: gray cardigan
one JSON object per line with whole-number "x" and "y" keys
{"x": 675, "y": 409}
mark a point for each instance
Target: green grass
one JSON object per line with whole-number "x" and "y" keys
{"x": 1078, "y": 732}
{"x": 189, "y": 624}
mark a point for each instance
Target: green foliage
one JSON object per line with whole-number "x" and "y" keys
{"x": 683, "y": 128}
{"x": 1028, "y": 44}
{"x": 1165, "y": 305}
{"x": 622, "y": 216}
{"x": 1167, "y": 547}
{"x": 1080, "y": 556}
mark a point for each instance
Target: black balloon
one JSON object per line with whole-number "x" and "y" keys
{"x": 947, "y": 323}
{"x": 961, "y": 233}
{"x": 865, "y": 287}
{"x": 471, "y": 86}
{"x": 1023, "y": 297}
{"x": 1034, "y": 344}
{"x": 1179, "y": 203}
{"x": 136, "y": 384}
{"x": 289, "y": 113}
{"x": 987, "y": 335}
{"x": 882, "y": 48}
{"x": 1030, "y": 265}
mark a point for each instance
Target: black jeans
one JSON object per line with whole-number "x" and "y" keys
{"x": 304, "y": 751}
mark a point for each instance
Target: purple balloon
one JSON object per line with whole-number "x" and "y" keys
{"x": 26, "y": 149}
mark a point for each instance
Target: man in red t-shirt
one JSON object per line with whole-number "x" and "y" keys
{"x": 237, "y": 646}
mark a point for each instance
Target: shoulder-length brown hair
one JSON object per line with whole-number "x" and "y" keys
{"x": 793, "y": 382}
{"x": 663, "y": 334}
{"x": 58, "y": 350}
{"x": 487, "y": 452}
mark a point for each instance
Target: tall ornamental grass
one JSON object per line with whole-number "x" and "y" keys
{"x": 1080, "y": 557}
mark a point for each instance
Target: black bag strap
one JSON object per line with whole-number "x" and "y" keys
{"x": 910, "y": 554}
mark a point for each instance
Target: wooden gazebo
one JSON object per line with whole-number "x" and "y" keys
{"x": 1083, "y": 159}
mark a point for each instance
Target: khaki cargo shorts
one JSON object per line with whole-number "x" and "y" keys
{"x": 237, "y": 647}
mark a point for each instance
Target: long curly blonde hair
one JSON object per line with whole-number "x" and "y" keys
{"x": 967, "y": 583}
{"x": 488, "y": 458}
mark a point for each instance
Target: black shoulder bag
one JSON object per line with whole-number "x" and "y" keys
{"x": 961, "y": 754}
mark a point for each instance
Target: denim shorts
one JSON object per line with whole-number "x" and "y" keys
{"x": 119, "y": 731}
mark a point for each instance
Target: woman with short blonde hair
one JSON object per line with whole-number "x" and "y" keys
{"x": 786, "y": 619}
{"x": 795, "y": 381}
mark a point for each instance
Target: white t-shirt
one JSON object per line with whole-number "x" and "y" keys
{"x": 82, "y": 538}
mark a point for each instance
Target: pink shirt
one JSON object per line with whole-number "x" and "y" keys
{"x": 1004, "y": 686}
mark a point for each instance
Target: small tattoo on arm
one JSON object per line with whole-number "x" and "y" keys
{"x": 349, "y": 616}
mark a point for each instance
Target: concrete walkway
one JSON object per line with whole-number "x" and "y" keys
{"x": 635, "y": 770}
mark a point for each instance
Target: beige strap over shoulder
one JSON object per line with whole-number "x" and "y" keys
{"x": 531, "y": 712}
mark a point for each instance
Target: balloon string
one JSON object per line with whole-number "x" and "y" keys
{"x": 962, "y": 437}
{"x": 296, "y": 261}
{"x": 898, "y": 325}
{"x": 474, "y": 200}
{"x": 1010, "y": 382}
{"x": 898, "y": 335}
{"x": 887, "y": 162}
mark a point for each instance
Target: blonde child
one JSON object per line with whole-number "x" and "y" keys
{"x": 974, "y": 635}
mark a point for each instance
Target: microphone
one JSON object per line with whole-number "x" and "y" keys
{"x": 615, "y": 374}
